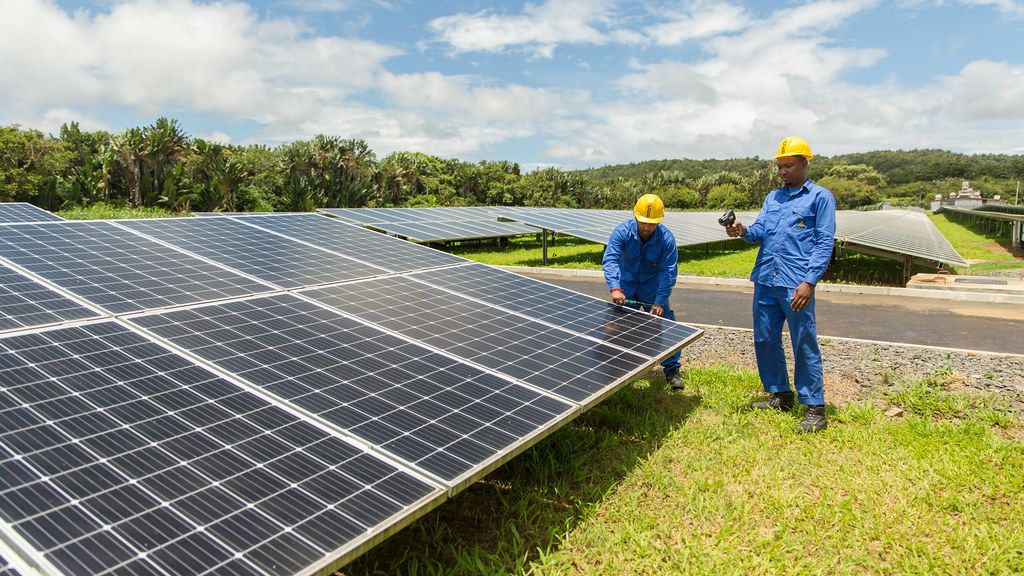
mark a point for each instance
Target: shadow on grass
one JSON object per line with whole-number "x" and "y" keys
{"x": 504, "y": 521}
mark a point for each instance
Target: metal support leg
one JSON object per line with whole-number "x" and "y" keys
{"x": 1015, "y": 236}
{"x": 544, "y": 246}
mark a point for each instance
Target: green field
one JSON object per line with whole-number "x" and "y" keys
{"x": 651, "y": 482}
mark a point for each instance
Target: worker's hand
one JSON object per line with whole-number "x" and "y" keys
{"x": 736, "y": 230}
{"x": 618, "y": 297}
{"x": 657, "y": 310}
{"x": 801, "y": 296}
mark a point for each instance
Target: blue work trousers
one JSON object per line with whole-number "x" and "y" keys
{"x": 771, "y": 308}
{"x": 672, "y": 362}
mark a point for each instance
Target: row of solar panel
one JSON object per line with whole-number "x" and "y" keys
{"x": 261, "y": 431}
{"x": 895, "y": 231}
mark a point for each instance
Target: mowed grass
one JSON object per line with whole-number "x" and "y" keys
{"x": 980, "y": 242}
{"x": 651, "y": 482}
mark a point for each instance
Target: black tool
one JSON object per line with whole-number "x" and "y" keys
{"x": 637, "y": 303}
{"x": 728, "y": 219}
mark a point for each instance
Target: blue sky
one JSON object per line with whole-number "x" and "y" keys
{"x": 568, "y": 83}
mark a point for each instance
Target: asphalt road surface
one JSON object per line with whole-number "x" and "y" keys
{"x": 909, "y": 320}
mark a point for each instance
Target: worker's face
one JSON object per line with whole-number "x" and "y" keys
{"x": 792, "y": 170}
{"x": 645, "y": 229}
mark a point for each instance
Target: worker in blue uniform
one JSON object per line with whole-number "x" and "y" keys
{"x": 796, "y": 230}
{"x": 640, "y": 263}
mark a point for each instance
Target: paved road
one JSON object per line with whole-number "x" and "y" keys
{"x": 932, "y": 322}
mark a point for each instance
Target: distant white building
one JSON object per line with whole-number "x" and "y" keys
{"x": 967, "y": 197}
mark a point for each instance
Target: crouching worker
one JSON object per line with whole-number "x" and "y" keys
{"x": 640, "y": 265}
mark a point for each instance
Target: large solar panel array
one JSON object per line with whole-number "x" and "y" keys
{"x": 897, "y": 232}
{"x": 237, "y": 411}
{"x": 433, "y": 224}
{"x": 11, "y": 212}
{"x": 988, "y": 211}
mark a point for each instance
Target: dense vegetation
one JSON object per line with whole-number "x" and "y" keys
{"x": 160, "y": 166}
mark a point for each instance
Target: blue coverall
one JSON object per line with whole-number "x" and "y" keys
{"x": 644, "y": 271}
{"x": 796, "y": 228}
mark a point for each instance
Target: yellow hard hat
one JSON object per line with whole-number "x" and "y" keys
{"x": 794, "y": 146}
{"x": 649, "y": 209}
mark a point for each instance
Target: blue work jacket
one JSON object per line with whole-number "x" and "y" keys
{"x": 796, "y": 229}
{"x": 641, "y": 270}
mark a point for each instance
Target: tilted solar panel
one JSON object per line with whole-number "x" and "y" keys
{"x": 12, "y": 212}
{"x": 382, "y": 250}
{"x": 453, "y": 230}
{"x": 25, "y": 303}
{"x": 117, "y": 270}
{"x": 642, "y": 333}
{"x": 427, "y": 409}
{"x": 120, "y": 456}
{"x": 270, "y": 257}
{"x": 544, "y": 356}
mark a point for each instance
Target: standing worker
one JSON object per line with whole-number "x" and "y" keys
{"x": 640, "y": 264}
{"x": 796, "y": 229}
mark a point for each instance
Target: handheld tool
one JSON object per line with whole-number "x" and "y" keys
{"x": 637, "y": 303}
{"x": 728, "y": 219}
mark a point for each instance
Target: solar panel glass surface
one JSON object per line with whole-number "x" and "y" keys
{"x": 428, "y": 409}
{"x": 116, "y": 269}
{"x": 119, "y": 456}
{"x": 639, "y": 332}
{"x": 12, "y": 212}
{"x": 539, "y": 354}
{"x": 379, "y": 249}
{"x": 270, "y": 257}
{"x": 26, "y": 303}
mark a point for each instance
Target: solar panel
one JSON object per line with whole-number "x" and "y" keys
{"x": 119, "y": 456}
{"x": 117, "y": 270}
{"x": 25, "y": 303}
{"x": 434, "y": 224}
{"x": 642, "y": 333}
{"x": 332, "y": 234}
{"x": 7, "y": 569}
{"x": 544, "y": 356}
{"x": 427, "y": 409}
{"x": 11, "y": 212}
{"x": 910, "y": 233}
{"x": 261, "y": 254}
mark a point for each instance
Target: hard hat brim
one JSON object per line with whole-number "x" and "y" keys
{"x": 808, "y": 156}
{"x": 646, "y": 220}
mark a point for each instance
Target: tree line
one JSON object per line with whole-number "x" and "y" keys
{"x": 161, "y": 166}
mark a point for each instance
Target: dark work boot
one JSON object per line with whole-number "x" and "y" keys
{"x": 776, "y": 401}
{"x": 675, "y": 380}
{"x": 814, "y": 420}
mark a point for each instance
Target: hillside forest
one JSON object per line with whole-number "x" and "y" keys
{"x": 160, "y": 165}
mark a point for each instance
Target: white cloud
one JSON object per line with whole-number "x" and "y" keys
{"x": 1008, "y": 7}
{"x": 158, "y": 55}
{"x": 541, "y": 27}
{"x": 700, "y": 19}
{"x": 986, "y": 90}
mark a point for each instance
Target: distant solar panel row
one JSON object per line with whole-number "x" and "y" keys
{"x": 222, "y": 425}
{"x": 896, "y": 231}
{"x": 12, "y": 212}
{"x": 433, "y": 224}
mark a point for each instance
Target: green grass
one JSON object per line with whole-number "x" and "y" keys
{"x": 114, "y": 211}
{"x": 978, "y": 242}
{"x": 650, "y": 482}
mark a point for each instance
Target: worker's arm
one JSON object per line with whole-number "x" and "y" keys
{"x": 610, "y": 264}
{"x": 669, "y": 269}
{"x": 821, "y": 252}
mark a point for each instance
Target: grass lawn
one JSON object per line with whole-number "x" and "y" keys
{"x": 651, "y": 482}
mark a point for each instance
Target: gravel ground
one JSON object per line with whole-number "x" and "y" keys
{"x": 856, "y": 371}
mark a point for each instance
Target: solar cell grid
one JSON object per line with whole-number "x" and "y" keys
{"x": 382, "y": 250}
{"x": 11, "y": 212}
{"x": 452, "y": 230}
{"x": 116, "y": 269}
{"x": 258, "y": 253}
{"x": 549, "y": 358}
{"x": 427, "y": 409}
{"x": 174, "y": 470}
{"x": 642, "y": 333}
{"x": 27, "y": 303}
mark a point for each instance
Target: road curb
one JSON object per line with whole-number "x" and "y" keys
{"x": 951, "y": 295}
